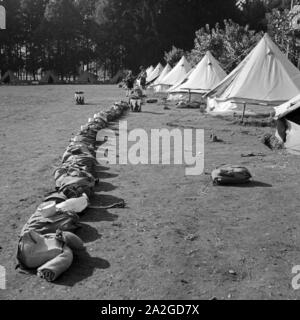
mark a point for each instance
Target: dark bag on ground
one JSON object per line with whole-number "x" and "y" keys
{"x": 135, "y": 105}
{"x": 230, "y": 174}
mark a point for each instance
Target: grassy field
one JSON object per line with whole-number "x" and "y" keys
{"x": 179, "y": 237}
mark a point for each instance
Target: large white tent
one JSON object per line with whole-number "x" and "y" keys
{"x": 264, "y": 77}
{"x": 177, "y": 74}
{"x": 155, "y": 74}
{"x": 156, "y": 85}
{"x": 205, "y": 76}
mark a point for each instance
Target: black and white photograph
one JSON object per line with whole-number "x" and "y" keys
{"x": 149, "y": 152}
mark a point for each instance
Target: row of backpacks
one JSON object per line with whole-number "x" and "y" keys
{"x": 47, "y": 240}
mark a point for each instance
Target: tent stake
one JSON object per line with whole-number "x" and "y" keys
{"x": 244, "y": 109}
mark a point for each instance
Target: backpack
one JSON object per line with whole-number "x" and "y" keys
{"x": 230, "y": 174}
{"x": 65, "y": 221}
{"x": 135, "y": 105}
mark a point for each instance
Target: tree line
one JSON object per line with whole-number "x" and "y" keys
{"x": 62, "y": 35}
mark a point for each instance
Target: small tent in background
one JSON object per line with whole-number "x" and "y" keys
{"x": 156, "y": 85}
{"x": 155, "y": 73}
{"x": 205, "y": 76}
{"x": 177, "y": 74}
{"x": 288, "y": 124}
{"x": 49, "y": 77}
{"x": 9, "y": 78}
{"x": 87, "y": 77}
{"x": 173, "y": 94}
{"x": 149, "y": 71}
{"x": 118, "y": 77}
{"x": 265, "y": 77}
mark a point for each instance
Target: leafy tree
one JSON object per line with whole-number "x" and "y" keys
{"x": 229, "y": 44}
{"x": 63, "y": 34}
{"x": 32, "y": 12}
{"x": 174, "y": 55}
{"x": 148, "y": 28}
{"x": 62, "y": 31}
{"x": 87, "y": 8}
{"x": 253, "y": 13}
{"x": 11, "y": 39}
{"x": 277, "y": 4}
{"x": 280, "y": 29}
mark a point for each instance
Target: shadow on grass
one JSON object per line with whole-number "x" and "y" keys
{"x": 99, "y": 168}
{"x": 152, "y": 112}
{"x": 87, "y": 233}
{"x": 83, "y": 267}
{"x": 98, "y": 211}
{"x": 106, "y": 175}
{"x": 104, "y": 186}
{"x": 251, "y": 184}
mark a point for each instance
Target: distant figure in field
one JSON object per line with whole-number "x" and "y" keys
{"x": 129, "y": 81}
{"x": 142, "y": 77}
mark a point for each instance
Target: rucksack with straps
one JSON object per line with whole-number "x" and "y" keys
{"x": 230, "y": 174}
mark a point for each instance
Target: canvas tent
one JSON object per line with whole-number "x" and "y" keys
{"x": 9, "y": 78}
{"x": 155, "y": 73}
{"x": 288, "y": 124}
{"x": 265, "y": 77}
{"x": 49, "y": 77}
{"x": 156, "y": 85}
{"x": 87, "y": 77}
{"x": 173, "y": 94}
{"x": 149, "y": 71}
{"x": 178, "y": 73}
{"x": 205, "y": 76}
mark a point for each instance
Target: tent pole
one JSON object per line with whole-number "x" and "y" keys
{"x": 244, "y": 109}
{"x": 189, "y": 95}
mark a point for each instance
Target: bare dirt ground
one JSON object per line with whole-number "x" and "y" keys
{"x": 179, "y": 237}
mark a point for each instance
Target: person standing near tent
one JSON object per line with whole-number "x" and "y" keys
{"x": 143, "y": 77}
{"x": 129, "y": 81}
